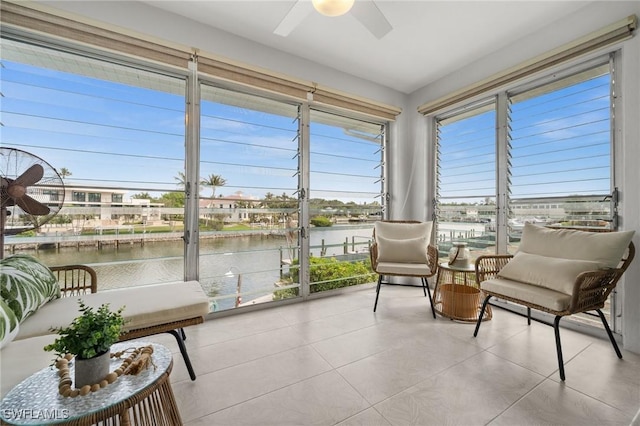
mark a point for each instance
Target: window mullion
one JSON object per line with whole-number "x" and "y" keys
{"x": 303, "y": 191}
{"x": 503, "y": 150}
{"x": 192, "y": 173}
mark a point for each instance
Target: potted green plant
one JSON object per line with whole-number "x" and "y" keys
{"x": 89, "y": 337}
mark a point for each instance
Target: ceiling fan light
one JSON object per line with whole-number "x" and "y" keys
{"x": 333, "y": 7}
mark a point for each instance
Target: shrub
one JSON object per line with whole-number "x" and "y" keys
{"x": 329, "y": 274}
{"x": 321, "y": 221}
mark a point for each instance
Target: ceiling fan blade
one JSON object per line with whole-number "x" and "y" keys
{"x": 31, "y": 206}
{"x": 31, "y": 176}
{"x": 371, "y": 17}
{"x": 293, "y": 18}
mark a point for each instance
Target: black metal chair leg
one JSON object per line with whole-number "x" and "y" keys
{"x": 556, "y": 328}
{"x": 426, "y": 285}
{"x": 606, "y": 327}
{"x": 184, "y": 335}
{"x": 484, "y": 306}
{"x": 183, "y": 351}
{"x": 375, "y": 305}
{"x": 528, "y": 315}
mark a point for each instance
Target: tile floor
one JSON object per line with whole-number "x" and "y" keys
{"x": 332, "y": 361}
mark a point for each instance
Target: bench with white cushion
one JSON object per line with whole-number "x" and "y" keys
{"x": 149, "y": 310}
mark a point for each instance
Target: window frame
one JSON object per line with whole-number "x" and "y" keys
{"x": 502, "y": 145}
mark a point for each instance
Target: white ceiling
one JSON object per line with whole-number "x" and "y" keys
{"x": 429, "y": 38}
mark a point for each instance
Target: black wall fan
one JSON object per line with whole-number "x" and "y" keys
{"x": 32, "y": 192}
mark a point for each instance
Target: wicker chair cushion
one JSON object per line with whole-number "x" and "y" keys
{"x": 606, "y": 248}
{"x": 552, "y": 273}
{"x": 398, "y": 231}
{"x": 409, "y": 250}
{"x": 410, "y": 269}
{"x": 531, "y": 294}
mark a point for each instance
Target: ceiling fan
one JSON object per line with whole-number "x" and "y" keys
{"x": 366, "y": 12}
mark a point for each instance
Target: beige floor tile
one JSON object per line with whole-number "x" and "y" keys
{"x": 221, "y": 329}
{"x": 224, "y": 388}
{"x": 385, "y": 374}
{"x": 553, "y": 403}
{"x": 535, "y": 348}
{"x": 598, "y": 372}
{"x": 353, "y": 346}
{"x": 501, "y": 327}
{"x": 322, "y": 400}
{"x": 259, "y": 368}
{"x": 227, "y": 354}
{"x": 368, "y": 417}
{"x": 334, "y": 325}
{"x": 472, "y": 392}
{"x": 324, "y": 307}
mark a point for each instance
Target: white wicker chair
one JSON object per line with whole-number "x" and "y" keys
{"x": 401, "y": 248}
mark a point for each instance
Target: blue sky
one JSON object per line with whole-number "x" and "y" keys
{"x": 113, "y": 134}
{"x": 560, "y": 145}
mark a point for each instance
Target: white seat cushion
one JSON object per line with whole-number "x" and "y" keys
{"x": 145, "y": 306}
{"x": 550, "y": 299}
{"x": 411, "y": 269}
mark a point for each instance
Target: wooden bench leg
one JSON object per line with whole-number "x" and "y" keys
{"x": 183, "y": 351}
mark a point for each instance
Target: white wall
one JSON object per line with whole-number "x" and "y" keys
{"x": 588, "y": 19}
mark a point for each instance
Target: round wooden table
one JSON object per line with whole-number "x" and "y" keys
{"x": 145, "y": 399}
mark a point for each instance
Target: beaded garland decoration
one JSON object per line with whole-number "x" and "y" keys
{"x": 138, "y": 360}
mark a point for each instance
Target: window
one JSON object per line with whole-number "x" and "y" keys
{"x": 560, "y": 150}
{"x": 466, "y": 162}
{"x": 79, "y": 196}
{"x": 548, "y": 160}
{"x": 51, "y": 195}
{"x": 107, "y": 125}
{"x": 248, "y": 156}
{"x": 253, "y": 154}
{"x": 345, "y": 196}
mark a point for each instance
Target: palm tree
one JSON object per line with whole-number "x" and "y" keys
{"x": 214, "y": 181}
{"x": 64, "y": 173}
{"x": 181, "y": 178}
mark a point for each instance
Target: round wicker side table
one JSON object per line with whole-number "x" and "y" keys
{"x": 145, "y": 399}
{"x": 457, "y": 295}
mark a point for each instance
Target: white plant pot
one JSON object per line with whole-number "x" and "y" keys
{"x": 91, "y": 371}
